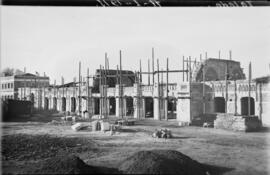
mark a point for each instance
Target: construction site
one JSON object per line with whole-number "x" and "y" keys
{"x": 210, "y": 119}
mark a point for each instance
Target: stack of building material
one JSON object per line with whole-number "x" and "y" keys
{"x": 105, "y": 126}
{"x": 78, "y": 126}
{"x": 237, "y": 123}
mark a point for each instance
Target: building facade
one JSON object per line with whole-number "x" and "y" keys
{"x": 203, "y": 90}
{"x": 10, "y": 85}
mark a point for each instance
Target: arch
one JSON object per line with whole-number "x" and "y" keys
{"x": 211, "y": 74}
{"x": 63, "y": 104}
{"x": 219, "y": 105}
{"x": 46, "y": 103}
{"x": 32, "y": 98}
{"x": 245, "y": 107}
{"x": 149, "y": 107}
{"x": 172, "y": 108}
{"x": 54, "y": 103}
{"x": 129, "y": 105}
{"x": 96, "y": 109}
{"x": 73, "y": 104}
{"x": 112, "y": 106}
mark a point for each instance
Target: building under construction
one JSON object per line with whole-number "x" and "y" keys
{"x": 204, "y": 87}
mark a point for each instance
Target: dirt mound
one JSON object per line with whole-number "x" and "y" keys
{"x": 161, "y": 162}
{"x": 65, "y": 165}
{"x": 35, "y": 147}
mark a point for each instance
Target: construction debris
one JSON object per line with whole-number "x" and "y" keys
{"x": 125, "y": 122}
{"x": 78, "y": 126}
{"x": 162, "y": 133}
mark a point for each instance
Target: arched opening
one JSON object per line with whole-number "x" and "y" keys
{"x": 46, "y": 103}
{"x": 112, "y": 105}
{"x": 73, "y": 104}
{"x": 219, "y": 104}
{"x": 54, "y": 103}
{"x": 63, "y": 104}
{"x": 96, "y": 101}
{"x": 32, "y": 99}
{"x": 172, "y": 108}
{"x": 129, "y": 105}
{"x": 149, "y": 107}
{"x": 245, "y": 107}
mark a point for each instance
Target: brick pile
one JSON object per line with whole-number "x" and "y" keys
{"x": 237, "y": 123}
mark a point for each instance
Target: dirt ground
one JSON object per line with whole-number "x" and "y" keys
{"x": 223, "y": 152}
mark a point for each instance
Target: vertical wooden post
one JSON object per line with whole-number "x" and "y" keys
{"x": 100, "y": 91}
{"x": 183, "y": 68}
{"x": 79, "y": 87}
{"x": 140, "y": 71}
{"x": 158, "y": 89}
{"x": 230, "y": 55}
{"x": 203, "y": 77}
{"x": 105, "y": 77}
{"x": 87, "y": 90}
{"x": 249, "y": 82}
{"x": 148, "y": 72}
{"x": 167, "y": 89}
{"x": 187, "y": 69}
{"x": 153, "y": 67}
{"x": 226, "y": 87}
{"x": 121, "y": 88}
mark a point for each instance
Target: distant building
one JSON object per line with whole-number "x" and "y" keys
{"x": 10, "y": 85}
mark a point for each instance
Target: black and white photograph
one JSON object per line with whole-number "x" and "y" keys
{"x": 135, "y": 87}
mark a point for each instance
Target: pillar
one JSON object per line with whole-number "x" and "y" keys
{"x": 118, "y": 99}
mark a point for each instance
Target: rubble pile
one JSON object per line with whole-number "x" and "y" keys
{"x": 161, "y": 162}
{"x": 162, "y": 133}
{"x": 32, "y": 147}
{"x": 68, "y": 164}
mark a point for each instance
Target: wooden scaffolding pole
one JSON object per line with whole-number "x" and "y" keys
{"x": 148, "y": 72}
{"x": 249, "y": 82}
{"x": 153, "y": 67}
{"x": 80, "y": 88}
{"x": 121, "y": 88}
{"x": 100, "y": 91}
{"x": 158, "y": 90}
{"x": 183, "y": 68}
{"x": 167, "y": 90}
{"x": 87, "y": 90}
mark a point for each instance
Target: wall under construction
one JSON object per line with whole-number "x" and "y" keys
{"x": 182, "y": 100}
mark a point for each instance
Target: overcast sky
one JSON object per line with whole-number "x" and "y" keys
{"x": 54, "y": 39}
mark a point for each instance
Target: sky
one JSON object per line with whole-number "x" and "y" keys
{"x": 54, "y": 39}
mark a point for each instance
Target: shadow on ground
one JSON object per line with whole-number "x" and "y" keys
{"x": 216, "y": 170}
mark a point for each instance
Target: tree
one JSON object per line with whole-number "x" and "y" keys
{"x": 11, "y": 71}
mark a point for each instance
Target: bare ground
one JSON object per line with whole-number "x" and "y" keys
{"x": 222, "y": 152}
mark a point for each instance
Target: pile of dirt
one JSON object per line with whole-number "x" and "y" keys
{"x": 32, "y": 147}
{"x": 68, "y": 164}
{"x": 161, "y": 162}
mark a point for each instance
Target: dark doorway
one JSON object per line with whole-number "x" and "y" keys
{"x": 63, "y": 104}
{"x": 112, "y": 106}
{"x": 73, "y": 104}
{"x": 149, "y": 107}
{"x": 54, "y": 103}
{"x": 172, "y": 108}
{"x": 129, "y": 105}
{"x": 32, "y": 99}
{"x": 219, "y": 103}
{"x": 244, "y": 106}
{"x": 46, "y": 103}
{"x": 96, "y": 101}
